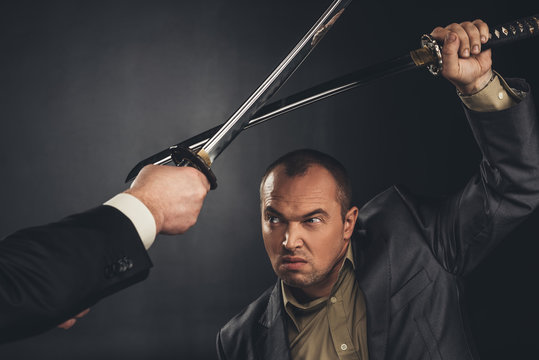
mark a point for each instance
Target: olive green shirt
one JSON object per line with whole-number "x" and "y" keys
{"x": 333, "y": 327}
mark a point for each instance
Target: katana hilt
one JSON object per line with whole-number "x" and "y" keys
{"x": 510, "y": 32}
{"x": 430, "y": 53}
{"x": 183, "y": 156}
{"x": 435, "y": 50}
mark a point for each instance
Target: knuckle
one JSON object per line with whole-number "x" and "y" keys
{"x": 437, "y": 29}
{"x": 191, "y": 171}
{"x": 201, "y": 193}
{"x": 150, "y": 168}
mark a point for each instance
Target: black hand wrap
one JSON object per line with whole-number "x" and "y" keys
{"x": 513, "y": 31}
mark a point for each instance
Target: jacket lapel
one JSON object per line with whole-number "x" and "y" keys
{"x": 373, "y": 276}
{"x": 272, "y": 341}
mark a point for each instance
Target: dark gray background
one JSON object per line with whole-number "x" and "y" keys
{"x": 89, "y": 88}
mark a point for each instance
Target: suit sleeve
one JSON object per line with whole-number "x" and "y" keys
{"x": 49, "y": 273}
{"x": 463, "y": 228}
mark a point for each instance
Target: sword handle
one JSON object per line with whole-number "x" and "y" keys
{"x": 508, "y": 33}
{"x": 183, "y": 156}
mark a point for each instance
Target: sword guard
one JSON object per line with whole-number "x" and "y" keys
{"x": 183, "y": 156}
{"x": 428, "y": 42}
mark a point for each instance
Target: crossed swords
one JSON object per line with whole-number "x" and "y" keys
{"x": 200, "y": 151}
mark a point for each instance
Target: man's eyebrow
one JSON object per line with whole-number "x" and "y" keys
{"x": 273, "y": 211}
{"x": 318, "y": 211}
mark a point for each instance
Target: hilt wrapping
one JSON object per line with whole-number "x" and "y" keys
{"x": 510, "y": 32}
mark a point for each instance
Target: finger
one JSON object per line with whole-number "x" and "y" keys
{"x": 485, "y": 59}
{"x": 82, "y": 313}
{"x": 206, "y": 183}
{"x": 474, "y": 37}
{"x": 450, "y": 55}
{"x": 464, "y": 50}
{"x": 483, "y": 30}
{"x": 203, "y": 179}
{"x": 439, "y": 34}
{"x": 67, "y": 324}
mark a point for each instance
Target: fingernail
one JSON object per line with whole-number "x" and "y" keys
{"x": 451, "y": 37}
{"x": 483, "y": 39}
{"x": 466, "y": 52}
{"x": 475, "y": 49}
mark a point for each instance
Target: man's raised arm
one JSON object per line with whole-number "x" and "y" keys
{"x": 465, "y": 227}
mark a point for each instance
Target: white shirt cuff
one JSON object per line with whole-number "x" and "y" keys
{"x": 139, "y": 215}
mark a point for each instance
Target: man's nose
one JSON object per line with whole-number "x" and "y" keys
{"x": 293, "y": 238}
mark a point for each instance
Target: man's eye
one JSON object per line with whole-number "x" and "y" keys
{"x": 314, "y": 220}
{"x": 273, "y": 219}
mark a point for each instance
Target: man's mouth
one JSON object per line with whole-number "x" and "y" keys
{"x": 293, "y": 262}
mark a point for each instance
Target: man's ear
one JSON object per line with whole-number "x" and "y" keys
{"x": 350, "y": 221}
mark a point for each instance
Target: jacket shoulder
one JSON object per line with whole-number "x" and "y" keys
{"x": 378, "y": 204}
{"x": 247, "y": 318}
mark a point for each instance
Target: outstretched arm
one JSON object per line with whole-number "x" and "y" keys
{"x": 50, "y": 273}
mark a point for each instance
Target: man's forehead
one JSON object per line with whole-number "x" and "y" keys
{"x": 316, "y": 184}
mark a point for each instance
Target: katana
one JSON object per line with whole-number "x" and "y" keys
{"x": 428, "y": 55}
{"x": 204, "y": 157}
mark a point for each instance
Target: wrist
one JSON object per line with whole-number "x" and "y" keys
{"x": 152, "y": 207}
{"x": 477, "y": 85}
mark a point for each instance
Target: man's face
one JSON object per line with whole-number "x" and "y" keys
{"x": 303, "y": 229}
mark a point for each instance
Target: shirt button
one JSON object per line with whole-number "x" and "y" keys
{"x": 344, "y": 347}
{"x": 333, "y": 301}
{"x": 500, "y": 95}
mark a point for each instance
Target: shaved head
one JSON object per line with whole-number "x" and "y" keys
{"x": 296, "y": 163}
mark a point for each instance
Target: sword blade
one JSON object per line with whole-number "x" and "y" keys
{"x": 518, "y": 30}
{"x": 234, "y": 125}
{"x": 295, "y": 101}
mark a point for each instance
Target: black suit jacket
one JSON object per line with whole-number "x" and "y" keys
{"x": 411, "y": 252}
{"x": 50, "y": 273}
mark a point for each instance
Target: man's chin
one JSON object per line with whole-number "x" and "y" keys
{"x": 295, "y": 280}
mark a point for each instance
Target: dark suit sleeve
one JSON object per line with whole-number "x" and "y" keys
{"x": 463, "y": 228}
{"x": 49, "y": 273}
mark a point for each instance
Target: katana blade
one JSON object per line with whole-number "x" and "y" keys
{"x": 429, "y": 55}
{"x": 224, "y": 136}
{"x": 205, "y": 157}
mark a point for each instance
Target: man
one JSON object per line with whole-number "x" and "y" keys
{"x": 50, "y": 273}
{"x": 392, "y": 291}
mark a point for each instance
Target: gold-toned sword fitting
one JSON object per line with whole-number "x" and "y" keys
{"x": 423, "y": 57}
{"x": 428, "y": 42}
{"x": 204, "y": 156}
